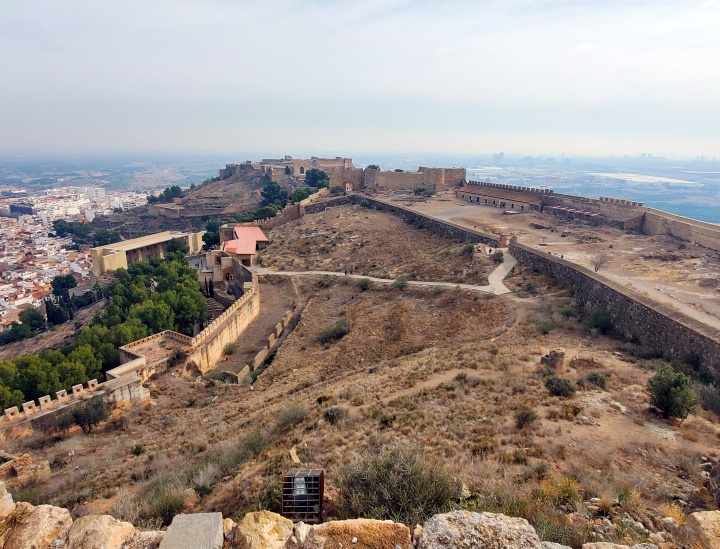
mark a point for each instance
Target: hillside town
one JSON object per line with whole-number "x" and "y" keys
{"x": 31, "y": 255}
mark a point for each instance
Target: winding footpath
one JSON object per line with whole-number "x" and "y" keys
{"x": 495, "y": 285}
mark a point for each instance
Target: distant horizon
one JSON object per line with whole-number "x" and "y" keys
{"x": 256, "y": 156}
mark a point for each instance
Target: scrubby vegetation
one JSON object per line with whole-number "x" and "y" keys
{"x": 398, "y": 484}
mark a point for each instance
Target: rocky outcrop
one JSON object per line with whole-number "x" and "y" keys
{"x": 700, "y": 531}
{"x": 39, "y": 526}
{"x": 466, "y": 530}
{"x": 99, "y": 532}
{"x": 263, "y": 530}
{"x": 357, "y": 533}
{"x": 7, "y": 505}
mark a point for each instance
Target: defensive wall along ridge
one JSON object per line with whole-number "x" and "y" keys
{"x": 420, "y": 220}
{"x": 633, "y": 315}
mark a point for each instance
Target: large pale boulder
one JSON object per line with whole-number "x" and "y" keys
{"x": 262, "y": 530}
{"x": 37, "y": 527}
{"x": 604, "y": 545}
{"x": 466, "y": 530}
{"x": 355, "y": 533}
{"x": 6, "y": 501}
{"x": 553, "y": 545}
{"x": 99, "y": 532}
{"x": 700, "y": 531}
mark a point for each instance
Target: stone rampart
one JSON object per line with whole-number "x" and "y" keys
{"x": 272, "y": 340}
{"x": 633, "y": 315}
{"x": 691, "y": 230}
{"x": 127, "y": 388}
{"x": 420, "y": 220}
{"x": 207, "y": 347}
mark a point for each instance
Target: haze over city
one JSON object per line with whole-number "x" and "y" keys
{"x": 524, "y": 77}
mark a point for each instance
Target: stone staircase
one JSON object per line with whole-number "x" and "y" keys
{"x": 214, "y": 308}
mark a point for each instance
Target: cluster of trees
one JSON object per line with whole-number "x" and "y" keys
{"x": 32, "y": 322}
{"x": 148, "y": 297}
{"x": 275, "y": 198}
{"x": 167, "y": 195}
{"x": 316, "y": 178}
{"x": 84, "y": 234}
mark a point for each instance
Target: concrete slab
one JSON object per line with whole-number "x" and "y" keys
{"x": 199, "y": 531}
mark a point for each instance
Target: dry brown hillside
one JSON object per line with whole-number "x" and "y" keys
{"x": 454, "y": 375}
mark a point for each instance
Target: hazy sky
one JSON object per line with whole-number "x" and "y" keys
{"x": 520, "y": 76}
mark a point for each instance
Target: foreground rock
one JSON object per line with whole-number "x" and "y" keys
{"x": 263, "y": 530}
{"x": 356, "y": 533}
{"x": 7, "y": 505}
{"x": 99, "y": 532}
{"x": 700, "y": 531}
{"x": 200, "y": 531}
{"x": 466, "y": 530}
{"x": 36, "y": 526}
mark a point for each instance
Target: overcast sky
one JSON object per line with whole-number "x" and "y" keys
{"x": 520, "y": 76}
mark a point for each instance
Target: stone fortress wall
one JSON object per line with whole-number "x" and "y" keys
{"x": 124, "y": 383}
{"x": 634, "y": 315}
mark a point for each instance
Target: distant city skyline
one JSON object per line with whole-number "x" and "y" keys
{"x": 525, "y": 77}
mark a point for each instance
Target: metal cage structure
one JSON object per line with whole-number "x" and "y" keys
{"x": 302, "y": 495}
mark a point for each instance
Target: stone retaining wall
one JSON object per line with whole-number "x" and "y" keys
{"x": 633, "y": 315}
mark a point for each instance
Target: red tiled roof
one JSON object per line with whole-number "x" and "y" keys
{"x": 240, "y": 247}
{"x": 250, "y": 232}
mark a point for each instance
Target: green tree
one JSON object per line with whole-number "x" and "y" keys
{"x": 317, "y": 178}
{"x": 56, "y": 315}
{"x": 104, "y": 237}
{"x": 671, "y": 394}
{"x": 273, "y": 193}
{"x": 90, "y": 414}
{"x": 177, "y": 245}
{"x": 35, "y": 377}
{"x": 62, "y": 284}
{"x": 210, "y": 239}
{"x": 10, "y": 397}
{"x": 32, "y": 318}
{"x": 85, "y": 356}
{"x": 298, "y": 195}
{"x": 156, "y": 316}
{"x": 373, "y": 167}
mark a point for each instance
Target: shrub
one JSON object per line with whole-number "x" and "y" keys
{"x": 568, "y": 311}
{"x": 229, "y": 349}
{"x": 401, "y": 282}
{"x": 334, "y": 414}
{"x": 709, "y": 397}
{"x": 546, "y": 325}
{"x": 497, "y": 257}
{"x": 598, "y": 320}
{"x": 178, "y": 356}
{"x": 468, "y": 249}
{"x": 396, "y": 484}
{"x": 558, "y": 386}
{"x": 90, "y": 414}
{"x": 334, "y": 333}
{"x": 138, "y": 449}
{"x": 365, "y": 203}
{"x": 363, "y": 284}
{"x": 292, "y": 415}
{"x": 222, "y": 377}
{"x": 525, "y": 417}
{"x": 671, "y": 394}
{"x": 164, "y": 507}
{"x": 597, "y": 379}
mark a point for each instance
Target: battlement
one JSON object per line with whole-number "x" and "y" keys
{"x": 514, "y": 188}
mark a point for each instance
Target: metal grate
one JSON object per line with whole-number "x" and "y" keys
{"x": 302, "y": 495}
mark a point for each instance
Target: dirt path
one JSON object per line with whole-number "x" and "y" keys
{"x": 495, "y": 285}
{"x": 626, "y": 250}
